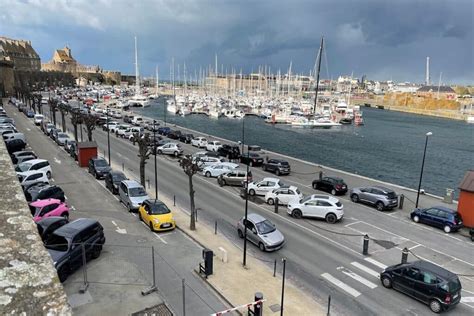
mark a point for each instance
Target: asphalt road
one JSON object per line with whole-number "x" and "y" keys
{"x": 321, "y": 259}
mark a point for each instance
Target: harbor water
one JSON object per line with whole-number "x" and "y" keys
{"x": 389, "y": 147}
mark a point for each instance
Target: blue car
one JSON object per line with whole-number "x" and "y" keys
{"x": 164, "y": 130}
{"x": 438, "y": 216}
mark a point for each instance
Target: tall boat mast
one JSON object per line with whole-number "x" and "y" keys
{"x": 137, "y": 76}
{"x": 317, "y": 74}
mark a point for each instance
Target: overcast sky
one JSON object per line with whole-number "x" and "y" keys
{"x": 383, "y": 39}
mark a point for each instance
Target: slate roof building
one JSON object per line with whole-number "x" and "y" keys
{"x": 20, "y": 53}
{"x": 445, "y": 92}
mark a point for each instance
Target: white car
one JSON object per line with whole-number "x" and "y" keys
{"x": 62, "y": 138}
{"x": 31, "y": 177}
{"x": 218, "y": 169}
{"x": 318, "y": 206}
{"x": 170, "y": 149}
{"x": 120, "y": 131}
{"x": 264, "y": 186}
{"x": 200, "y": 142}
{"x": 112, "y": 126}
{"x": 35, "y": 164}
{"x": 284, "y": 195}
{"x": 213, "y": 145}
{"x": 38, "y": 119}
{"x": 206, "y": 161}
{"x": 137, "y": 120}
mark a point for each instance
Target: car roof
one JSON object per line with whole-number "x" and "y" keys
{"x": 256, "y": 218}
{"x": 41, "y": 203}
{"x": 291, "y": 187}
{"x": 132, "y": 184}
{"x": 46, "y": 221}
{"x": 115, "y": 172}
{"x": 34, "y": 161}
{"x": 425, "y": 265}
{"x": 324, "y": 197}
{"x": 30, "y": 172}
{"x": 383, "y": 188}
{"x": 270, "y": 179}
{"x": 74, "y": 227}
{"x": 153, "y": 201}
{"x": 444, "y": 208}
{"x": 98, "y": 158}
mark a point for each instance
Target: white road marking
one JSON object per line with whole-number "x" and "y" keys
{"x": 72, "y": 208}
{"x": 375, "y": 263}
{"x": 357, "y": 277}
{"x": 467, "y": 299}
{"x": 415, "y": 246}
{"x": 115, "y": 224}
{"x": 56, "y": 160}
{"x": 352, "y": 223}
{"x": 65, "y": 196}
{"x": 366, "y": 269}
{"x": 341, "y": 285}
{"x": 28, "y": 129}
{"x": 119, "y": 230}
{"x": 159, "y": 237}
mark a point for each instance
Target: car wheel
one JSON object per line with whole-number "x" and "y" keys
{"x": 331, "y": 218}
{"x": 435, "y": 306}
{"x": 277, "y": 172}
{"x": 315, "y": 186}
{"x": 252, "y": 192}
{"x": 176, "y": 154}
{"x": 333, "y": 192}
{"x": 297, "y": 213}
{"x": 129, "y": 208}
{"x": 208, "y": 174}
{"x": 270, "y": 201}
{"x": 151, "y": 227}
{"x": 379, "y": 206}
{"x": 95, "y": 175}
{"x": 416, "y": 218}
{"x": 63, "y": 273}
{"x": 65, "y": 215}
{"x": 96, "y": 252}
{"x": 386, "y": 281}
{"x": 159, "y": 152}
{"x": 241, "y": 235}
{"x": 140, "y": 216}
{"x": 355, "y": 198}
{"x": 223, "y": 182}
{"x": 48, "y": 174}
{"x": 261, "y": 246}
{"x": 447, "y": 229}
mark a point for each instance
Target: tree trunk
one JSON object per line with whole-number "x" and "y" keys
{"x": 63, "y": 118}
{"x": 54, "y": 118}
{"x": 89, "y": 134}
{"x": 75, "y": 132}
{"x": 39, "y": 109}
{"x": 142, "y": 172}
{"x": 192, "y": 224}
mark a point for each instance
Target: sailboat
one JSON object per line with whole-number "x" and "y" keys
{"x": 138, "y": 99}
{"x": 156, "y": 95}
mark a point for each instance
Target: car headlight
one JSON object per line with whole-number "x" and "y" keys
{"x": 156, "y": 221}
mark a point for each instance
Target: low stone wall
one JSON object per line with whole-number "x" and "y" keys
{"x": 29, "y": 283}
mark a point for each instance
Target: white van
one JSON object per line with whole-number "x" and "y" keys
{"x": 38, "y": 119}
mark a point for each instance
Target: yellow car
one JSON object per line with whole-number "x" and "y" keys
{"x": 156, "y": 215}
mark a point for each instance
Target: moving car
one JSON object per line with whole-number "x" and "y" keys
{"x": 132, "y": 194}
{"x": 46, "y": 208}
{"x": 156, "y": 215}
{"x": 213, "y": 145}
{"x": 234, "y": 177}
{"x": 99, "y": 167}
{"x": 438, "y": 216}
{"x": 46, "y": 226}
{"x": 263, "y": 186}
{"x": 218, "y": 169}
{"x": 332, "y": 185}
{"x": 317, "y": 206}
{"x": 200, "y": 142}
{"x": 173, "y": 149}
{"x": 251, "y": 159}
{"x": 277, "y": 166}
{"x": 113, "y": 179}
{"x": 29, "y": 178}
{"x": 43, "y": 191}
{"x": 66, "y": 245}
{"x": 284, "y": 195}
{"x": 35, "y": 164}
{"x": 382, "y": 198}
{"x": 261, "y": 232}
{"x": 433, "y": 285}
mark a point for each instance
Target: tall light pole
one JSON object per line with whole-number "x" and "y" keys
{"x": 422, "y": 167}
{"x": 246, "y": 193}
{"x": 108, "y": 134}
{"x": 154, "y": 152}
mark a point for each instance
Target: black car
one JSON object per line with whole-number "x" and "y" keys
{"x": 42, "y": 191}
{"x": 186, "y": 138}
{"x": 332, "y": 185}
{"x": 174, "y": 134}
{"x": 277, "y": 166}
{"x": 229, "y": 151}
{"x": 67, "y": 243}
{"x": 113, "y": 179}
{"x": 14, "y": 145}
{"x": 24, "y": 153}
{"x": 164, "y": 130}
{"x": 48, "y": 225}
{"x": 128, "y": 119}
{"x": 99, "y": 167}
{"x": 252, "y": 159}
{"x": 426, "y": 282}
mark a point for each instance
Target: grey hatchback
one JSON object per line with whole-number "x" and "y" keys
{"x": 382, "y": 198}
{"x": 261, "y": 232}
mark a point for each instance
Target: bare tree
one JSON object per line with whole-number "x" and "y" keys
{"x": 144, "y": 151}
{"x": 76, "y": 119}
{"x": 190, "y": 168}
{"x": 38, "y": 98}
{"x": 63, "y": 109}
{"x": 90, "y": 121}
{"x": 53, "y": 108}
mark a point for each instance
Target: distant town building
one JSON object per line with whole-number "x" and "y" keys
{"x": 20, "y": 53}
{"x": 441, "y": 92}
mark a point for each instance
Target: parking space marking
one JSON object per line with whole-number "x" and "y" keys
{"x": 467, "y": 299}
{"x": 159, "y": 237}
{"x": 375, "y": 263}
{"x": 415, "y": 246}
{"x": 341, "y": 285}
{"x": 366, "y": 269}
{"x": 357, "y": 277}
{"x": 56, "y": 160}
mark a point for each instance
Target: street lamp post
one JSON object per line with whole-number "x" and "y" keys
{"x": 154, "y": 152}
{"x": 108, "y": 134}
{"x": 422, "y": 167}
{"x": 246, "y": 194}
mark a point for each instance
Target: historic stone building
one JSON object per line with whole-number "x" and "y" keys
{"x": 62, "y": 61}
{"x": 20, "y": 53}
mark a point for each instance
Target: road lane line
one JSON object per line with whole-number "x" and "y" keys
{"x": 113, "y": 222}
{"x": 375, "y": 263}
{"x": 416, "y": 246}
{"x": 159, "y": 237}
{"x": 467, "y": 299}
{"x": 357, "y": 277}
{"x": 341, "y": 285}
{"x": 366, "y": 269}
{"x": 352, "y": 223}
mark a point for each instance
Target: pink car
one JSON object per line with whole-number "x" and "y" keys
{"x": 46, "y": 208}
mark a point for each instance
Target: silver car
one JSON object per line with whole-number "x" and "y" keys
{"x": 261, "y": 232}
{"x": 382, "y": 198}
{"x": 132, "y": 194}
{"x": 170, "y": 149}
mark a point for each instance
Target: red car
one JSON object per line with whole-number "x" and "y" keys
{"x": 46, "y": 208}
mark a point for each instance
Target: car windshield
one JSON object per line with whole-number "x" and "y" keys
{"x": 298, "y": 191}
{"x": 118, "y": 177}
{"x": 101, "y": 163}
{"x": 253, "y": 155}
{"x": 392, "y": 195}
{"x": 139, "y": 191}
{"x": 265, "y": 227}
{"x": 34, "y": 210}
{"x": 23, "y": 167}
{"x": 159, "y": 209}
{"x": 284, "y": 163}
{"x": 62, "y": 135}
{"x": 306, "y": 199}
{"x": 56, "y": 242}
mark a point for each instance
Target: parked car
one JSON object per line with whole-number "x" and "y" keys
{"x": 120, "y": 131}
{"x": 156, "y": 215}
{"x": 132, "y": 194}
{"x": 174, "y": 134}
{"x": 62, "y": 138}
{"x": 15, "y": 145}
{"x": 277, "y": 166}
{"x": 54, "y": 133}
{"x": 213, "y": 145}
{"x": 35, "y": 164}
{"x": 29, "y": 178}
{"x": 113, "y": 179}
{"x": 68, "y": 144}
{"x": 261, "y": 232}
{"x": 431, "y": 284}
{"x": 164, "y": 130}
{"x": 24, "y": 153}
{"x": 382, "y": 198}
{"x": 234, "y": 177}
{"x": 173, "y": 149}
{"x": 263, "y": 186}
{"x": 218, "y": 169}
{"x": 25, "y": 158}
{"x": 332, "y": 185}
{"x": 11, "y": 136}
{"x": 43, "y": 191}
{"x": 200, "y": 142}
{"x": 317, "y": 206}
{"x": 284, "y": 195}
{"x": 99, "y": 167}
{"x": 48, "y": 128}
{"x": 128, "y": 119}
{"x": 137, "y": 120}
{"x": 64, "y": 245}
{"x": 229, "y": 151}
{"x": 30, "y": 113}
{"x": 46, "y": 226}
{"x": 438, "y": 216}
{"x": 186, "y": 138}
{"x": 206, "y": 161}
{"x": 38, "y": 119}
{"x": 46, "y": 208}
{"x": 112, "y": 125}
{"x": 251, "y": 159}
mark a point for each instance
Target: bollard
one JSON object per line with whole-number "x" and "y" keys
{"x": 365, "y": 248}
{"x": 405, "y": 255}
{"x": 329, "y": 305}
{"x": 258, "y": 308}
{"x": 148, "y": 182}
{"x": 123, "y": 166}
{"x": 276, "y": 205}
{"x": 320, "y": 175}
{"x": 215, "y": 228}
{"x": 174, "y": 200}
{"x": 274, "y": 267}
{"x": 402, "y": 199}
